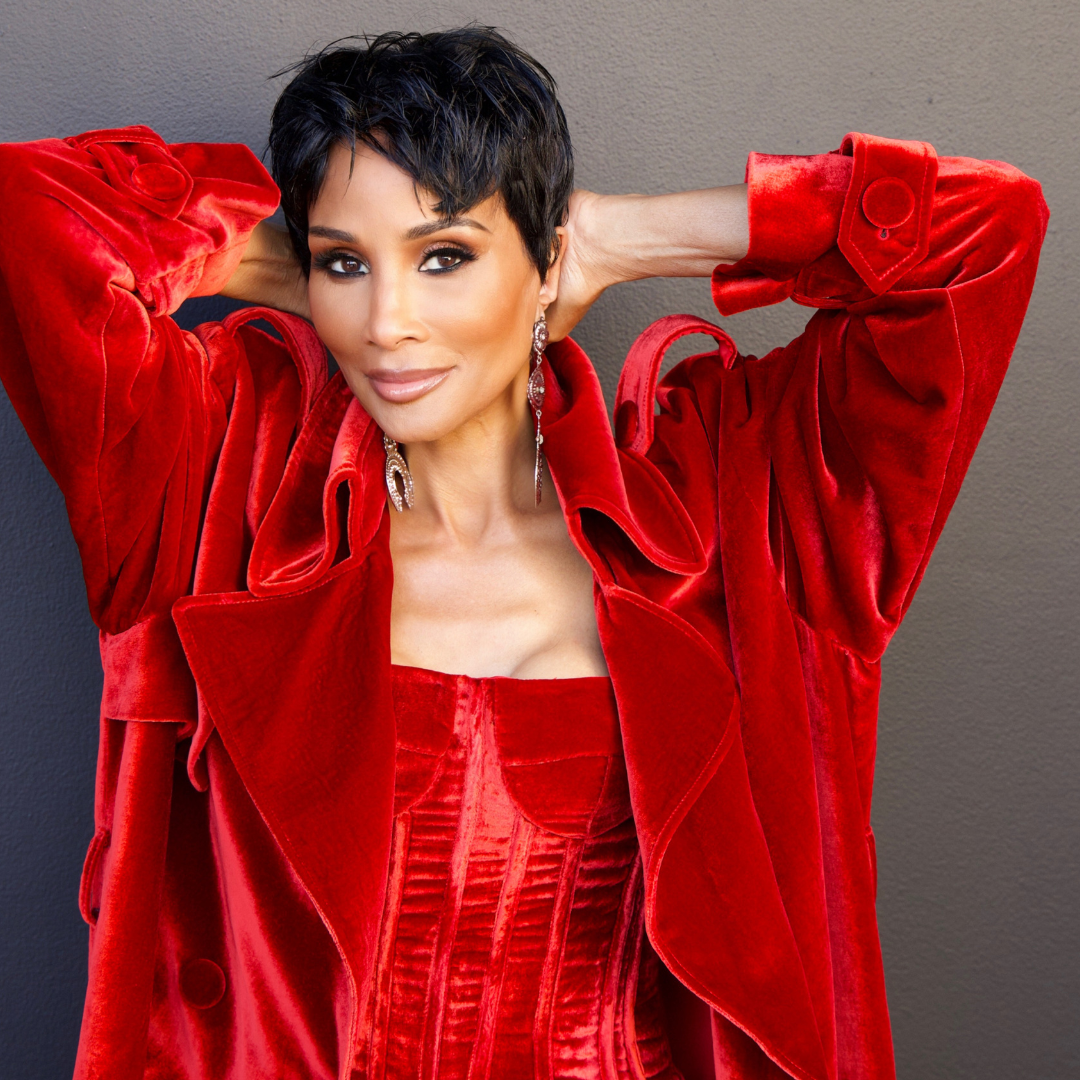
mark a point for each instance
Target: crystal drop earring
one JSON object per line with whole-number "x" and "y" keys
{"x": 401, "y": 495}
{"x": 536, "y": 395}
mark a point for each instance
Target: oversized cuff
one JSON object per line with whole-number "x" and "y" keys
{"x": 137, "y": 162}
{"x": 861, "y": 213}
{"x": 179, "y": 215}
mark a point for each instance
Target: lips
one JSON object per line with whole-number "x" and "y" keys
{"x": 406, "y": 384}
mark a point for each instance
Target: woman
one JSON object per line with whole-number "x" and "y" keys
{"x": 435, "y": 716}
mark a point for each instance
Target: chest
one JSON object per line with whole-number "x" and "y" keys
{"x": 517, "y": 602}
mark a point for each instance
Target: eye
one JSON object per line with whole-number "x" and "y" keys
{"x": 444, "y": 259}
{"x": 340, "y": 264}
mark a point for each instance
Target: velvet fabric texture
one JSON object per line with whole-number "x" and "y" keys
{"x": 754, "y": 546}
{"x": 511, "y": 936}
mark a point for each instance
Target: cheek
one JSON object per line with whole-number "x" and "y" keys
{"x": 485, "y": 318}
{"x": 339, "y": 316}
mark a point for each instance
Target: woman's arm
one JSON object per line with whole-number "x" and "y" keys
{"x": 615, "y": 238}
{"x": 101, "y": 238}
{"x": 854, "y": 437}
{"x": 269, "y": 274}
{"x": 851, "y": 441}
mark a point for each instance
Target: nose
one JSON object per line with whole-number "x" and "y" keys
{"x": 392, "y": 315}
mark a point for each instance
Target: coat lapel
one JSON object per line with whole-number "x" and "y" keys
{"x": 713, "y": 908}
{"x": 294, "y": 674}
{"x": 298, "y": 688}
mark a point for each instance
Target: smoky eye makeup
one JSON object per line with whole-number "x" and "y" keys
{"x": 339, "y": 264}
{"x": 440, "y": 258}
{"x": 444, "y": 258}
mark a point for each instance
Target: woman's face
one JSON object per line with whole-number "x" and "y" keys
{"x": 430, "y": 323}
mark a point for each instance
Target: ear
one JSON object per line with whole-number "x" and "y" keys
{"x": 549, "y": 287}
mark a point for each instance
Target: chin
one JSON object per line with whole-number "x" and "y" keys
{"x": 422, "y": 420}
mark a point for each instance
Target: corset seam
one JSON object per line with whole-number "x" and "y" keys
{"x": 506, "y": 912}
{"x": 377, "y": 1011}
{"x": 621, "y": 974}
{"x": 553, "y": 959}
{"x": 600, "y": 800}
{"x": 439, "y": 972}
{"x": 631, "y": 979}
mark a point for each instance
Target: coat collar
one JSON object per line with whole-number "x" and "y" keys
{"x": 339, "y": 451}
{"x": 591, "y": 472}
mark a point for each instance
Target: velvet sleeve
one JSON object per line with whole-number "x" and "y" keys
{"x": 101, "y": 238}
{"x": 921, "y": 269}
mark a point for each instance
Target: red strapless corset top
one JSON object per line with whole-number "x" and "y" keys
{"x": 512, "y": 941}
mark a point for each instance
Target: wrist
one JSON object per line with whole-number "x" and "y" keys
{"x": 680, "y": 235}
{"x": 613, "y": 234}
{"x": 269, "y": 273}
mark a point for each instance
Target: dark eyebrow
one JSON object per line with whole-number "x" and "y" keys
{"x": 331, "y": 234}
{"x": 418, "y": 232}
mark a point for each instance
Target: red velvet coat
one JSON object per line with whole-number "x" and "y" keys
{"x": 754, "y": 547}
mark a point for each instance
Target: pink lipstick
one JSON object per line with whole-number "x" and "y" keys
{"x": 406, "y": 384}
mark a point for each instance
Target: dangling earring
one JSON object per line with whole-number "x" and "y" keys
{"x": 401, "y": 496}
{"x": 536, "y": 394}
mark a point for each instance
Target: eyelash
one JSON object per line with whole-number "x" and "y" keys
{"x": 462, "y": 254}
{"x": 326, "y": 260}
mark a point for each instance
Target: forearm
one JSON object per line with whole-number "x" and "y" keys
{"x": 269, "y": 273}
{"x": 680, "y": 235}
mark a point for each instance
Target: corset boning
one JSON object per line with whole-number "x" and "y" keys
{"x": 512, "y": 939}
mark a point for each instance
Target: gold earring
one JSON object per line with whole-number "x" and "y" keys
{"x": 401, "y": 495}
{"x": 536, "y": 395}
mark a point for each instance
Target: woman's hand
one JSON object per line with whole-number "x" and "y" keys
{"x": 269, "y": 273}
{"x": 613, "y": 238}
{"x": 582, "y": 269}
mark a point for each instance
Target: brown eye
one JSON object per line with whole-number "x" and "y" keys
{"x": 346, "y": 264}
{"x": 340, "y": 265}
{"x": 444, "y": 260}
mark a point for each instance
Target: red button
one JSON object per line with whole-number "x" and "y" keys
{"x": 888, "y": 202}
{"x": 158, "y": 181}
{"x": 202, "y": 983}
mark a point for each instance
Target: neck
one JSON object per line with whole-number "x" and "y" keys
{"x": 479, "y": 474}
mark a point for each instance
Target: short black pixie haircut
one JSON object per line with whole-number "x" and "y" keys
{"x": 466, "y": 113}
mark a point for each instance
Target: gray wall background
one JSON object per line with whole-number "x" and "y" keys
{"x": 977, "y": 802}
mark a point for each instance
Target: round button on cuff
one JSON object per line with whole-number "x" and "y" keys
{"x": 158, "y": 181}
{"x": 202, "y": 983}
{"x": 888, "y": 202}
